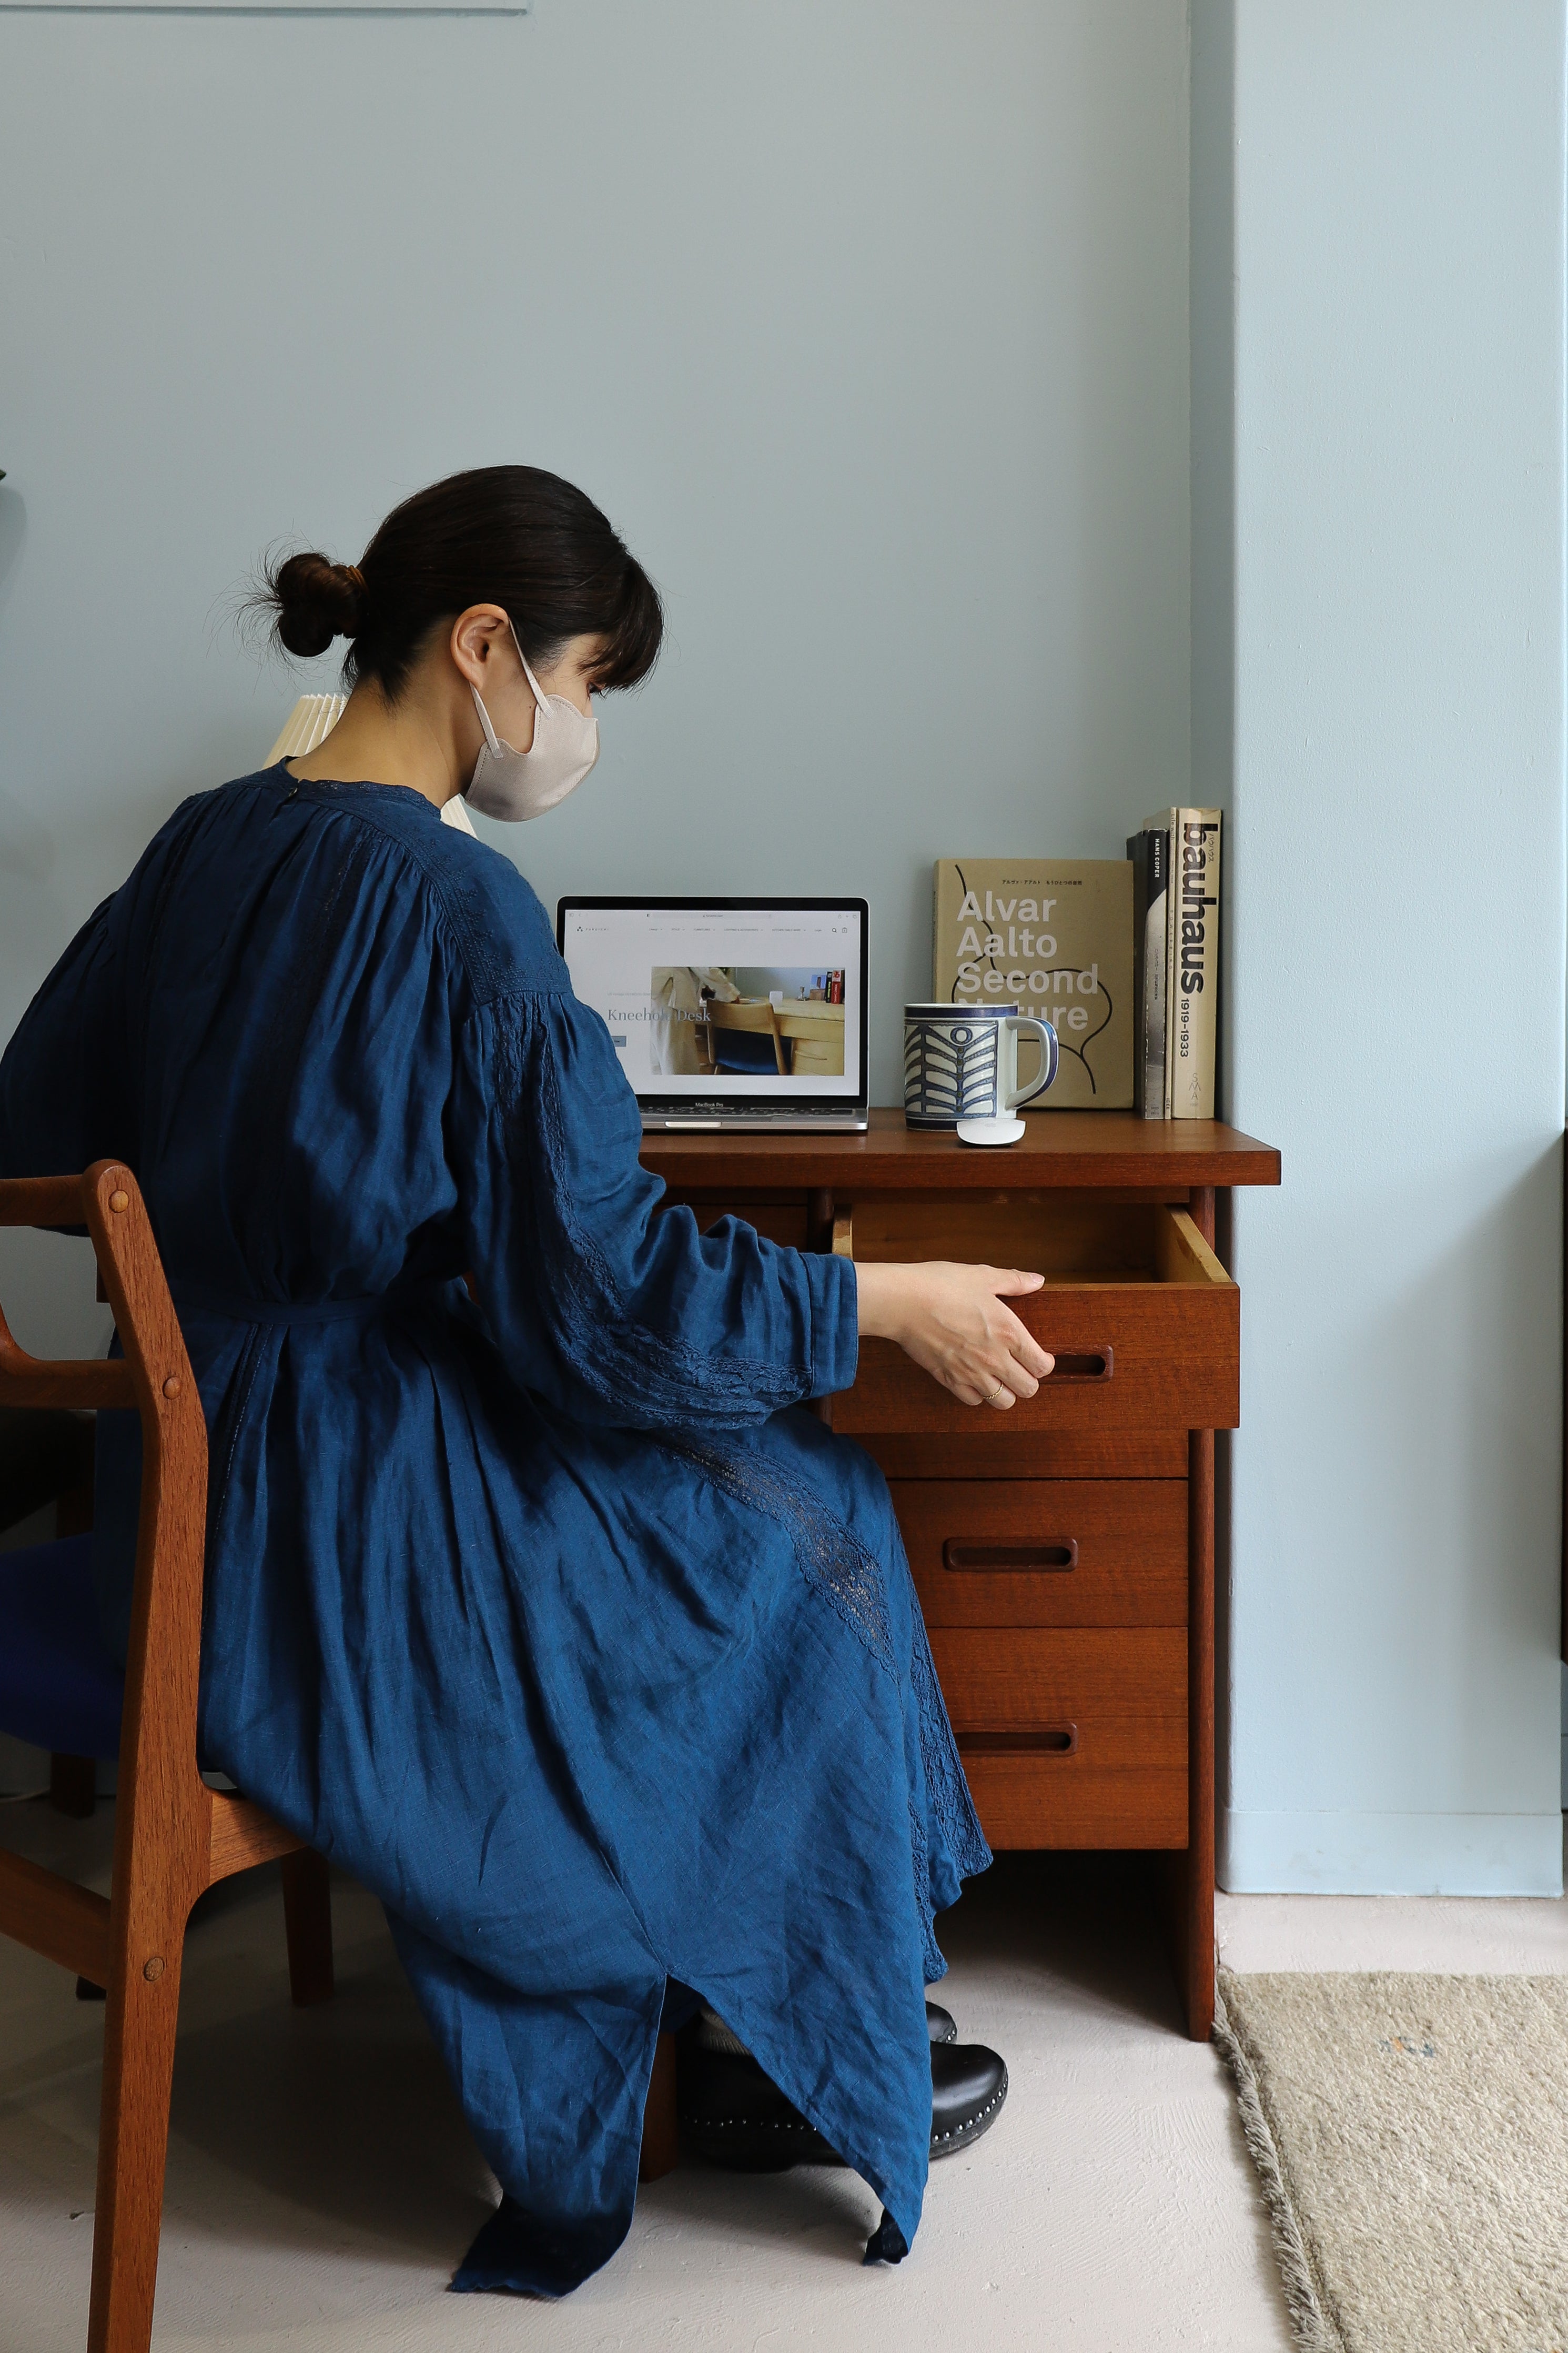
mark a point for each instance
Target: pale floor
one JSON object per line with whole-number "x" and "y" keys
{"x": 322, "y": 2182}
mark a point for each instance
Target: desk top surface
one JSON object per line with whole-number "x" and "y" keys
{"x": 1059, "y": 1148}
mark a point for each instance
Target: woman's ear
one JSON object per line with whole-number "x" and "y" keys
{"x": 475, "y": 635}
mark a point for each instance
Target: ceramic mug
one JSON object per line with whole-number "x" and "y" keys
{"x": 961, "y": 1061}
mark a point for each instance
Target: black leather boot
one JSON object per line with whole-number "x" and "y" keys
{"x": 732, "y": 2114}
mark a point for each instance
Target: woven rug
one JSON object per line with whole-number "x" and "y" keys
{"x": 1412, "y": 2138}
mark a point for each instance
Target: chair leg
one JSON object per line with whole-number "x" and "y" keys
{"x": 660, "y": 2122}
{"x": 73, "y": 1785}
{"x": 132, "y": 2143}
{"x": 308, "y": 1922}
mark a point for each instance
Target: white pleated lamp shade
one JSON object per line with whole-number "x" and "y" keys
{"x": 313, "y": 717}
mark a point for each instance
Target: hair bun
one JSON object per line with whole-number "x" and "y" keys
{"x": 316, "y": 602}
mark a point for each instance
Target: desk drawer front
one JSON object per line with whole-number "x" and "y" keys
{"x": 1152, "y": 1344}
{"x": 1076, "y": 1737}
{"x": 1085, "y": 1800}
{"x": 1044, "y": 1454}
{"x": 1046, "y": 1552}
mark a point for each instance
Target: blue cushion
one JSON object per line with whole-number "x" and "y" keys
{"x": 60, "y": 1687}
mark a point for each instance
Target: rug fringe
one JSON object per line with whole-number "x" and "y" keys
{"x": 1315, "y": 2330}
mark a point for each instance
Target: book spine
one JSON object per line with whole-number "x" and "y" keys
{"x": 1173, "y": 966}
{"x": 1148, "y": 852}
{"x": 1138, "y": 852}
{"x": 1208, "y": 1032}
{"x": 1159, "y": 999}
{"x": 1194, "y": 886}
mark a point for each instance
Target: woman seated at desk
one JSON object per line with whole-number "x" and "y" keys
{"x": 542, "y": 1612}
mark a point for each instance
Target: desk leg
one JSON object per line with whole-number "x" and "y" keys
{"x": 1195, "y": 1935}
{"x": 1195, "y": 1887}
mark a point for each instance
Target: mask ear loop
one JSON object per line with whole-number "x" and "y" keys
{"x": 492, "y": 738}
{"x": 538, "y": 691}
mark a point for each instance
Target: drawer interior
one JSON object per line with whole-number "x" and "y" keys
{"x": 780, "y": 1219}
{"x": 1070, "y": 1238}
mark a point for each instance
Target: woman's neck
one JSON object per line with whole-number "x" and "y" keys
{"x": 375, "y": 742}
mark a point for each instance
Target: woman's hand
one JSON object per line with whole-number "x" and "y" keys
{"x": 951, "y": 1321}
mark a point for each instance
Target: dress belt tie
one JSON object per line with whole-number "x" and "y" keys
{"x": 362, "y": 1310}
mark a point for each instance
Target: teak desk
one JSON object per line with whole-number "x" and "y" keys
{"x": 1064, "y": 1552}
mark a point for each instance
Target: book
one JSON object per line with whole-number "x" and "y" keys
{"x": 1192, "y": 958}
{"x": 1150, "y": 855}
{"x": 1054, "y": 936}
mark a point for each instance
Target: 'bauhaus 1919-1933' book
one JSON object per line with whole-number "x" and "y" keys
{"x": 1191, "y": 961}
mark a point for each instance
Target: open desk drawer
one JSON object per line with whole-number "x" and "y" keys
{"x": 1142, "y": 1317}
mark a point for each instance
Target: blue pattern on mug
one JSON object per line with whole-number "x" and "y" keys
{"x": 953, "y": 1062}
{"x": 950, "y": 1070}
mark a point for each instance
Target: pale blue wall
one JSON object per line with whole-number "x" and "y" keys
{"x": 865, "y": 319}
{"x": 1392, "y": 529}
{"x": 868, "y": 322}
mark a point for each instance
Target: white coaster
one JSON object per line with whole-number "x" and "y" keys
{"x": 990, "y": 1131}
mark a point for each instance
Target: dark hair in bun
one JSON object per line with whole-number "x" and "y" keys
{"x": 506, "y": 535}
{"x": 316, "y": 602}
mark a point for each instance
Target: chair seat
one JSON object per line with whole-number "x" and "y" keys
{"x": 745, "y": 1050}
{"x": 59, "y": 1686}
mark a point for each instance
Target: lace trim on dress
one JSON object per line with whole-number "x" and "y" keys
{"x": 947, "y": 1790}
{"x": 843, "y": 1571}
{"x": 852, "y": 1581}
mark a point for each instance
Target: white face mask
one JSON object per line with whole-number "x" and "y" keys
{"x": 517, "y": 785}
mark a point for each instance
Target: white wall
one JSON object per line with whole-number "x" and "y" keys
{"x": 865, "y": 319}
{"x": 1394, "y": 523}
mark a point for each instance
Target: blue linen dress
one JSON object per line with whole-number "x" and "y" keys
{"x": 548, "y": 1617}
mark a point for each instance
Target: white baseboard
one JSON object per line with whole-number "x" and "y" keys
{"x": 1389, "y": 1854}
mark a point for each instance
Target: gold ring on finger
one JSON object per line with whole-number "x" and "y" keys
{"x": 1000, "y": 1390}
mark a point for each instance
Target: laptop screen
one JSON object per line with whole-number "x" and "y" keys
{"x": 717, "y": 1002}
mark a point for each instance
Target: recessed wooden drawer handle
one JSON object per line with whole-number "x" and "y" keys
{"x": 1091, "y": 1365}
{"x": 1050, "y": 1740}
{"x": 1035, "y": 1559}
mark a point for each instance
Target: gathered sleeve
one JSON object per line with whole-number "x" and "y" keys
{"x": 599, "y": 1297}
{"x": 64, "y": 1100}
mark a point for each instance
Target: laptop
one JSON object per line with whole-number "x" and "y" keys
{"x": 729, "y": 1013}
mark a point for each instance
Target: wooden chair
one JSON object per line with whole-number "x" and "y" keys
{"x": 175, "y": 1836}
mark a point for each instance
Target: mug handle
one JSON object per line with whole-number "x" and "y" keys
{"x": 1050, "y": 1054}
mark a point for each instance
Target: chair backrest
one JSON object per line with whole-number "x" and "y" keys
{"x": 158, "y": 1739}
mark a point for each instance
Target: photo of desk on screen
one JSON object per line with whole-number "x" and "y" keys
{"x": 784, "y": 1021}
{"x": 737, "y": 1009}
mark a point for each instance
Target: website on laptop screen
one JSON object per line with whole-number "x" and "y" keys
{"x": 735, "y": 1002}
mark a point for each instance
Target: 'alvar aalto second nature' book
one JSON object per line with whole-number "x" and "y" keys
{"x": 1054, "y": 936}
